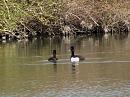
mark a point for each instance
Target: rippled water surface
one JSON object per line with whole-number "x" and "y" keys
{"x": 25, "y": 71}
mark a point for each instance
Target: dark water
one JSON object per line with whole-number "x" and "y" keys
{"x": 25, "y": 71}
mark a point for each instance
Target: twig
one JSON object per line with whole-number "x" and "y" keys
{"x": 5, "y": 3}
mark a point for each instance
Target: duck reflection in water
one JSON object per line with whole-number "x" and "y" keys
{"x": 75, "y": 69}
{"x": 74, "y": 64}
{"x": 53, "y": 59}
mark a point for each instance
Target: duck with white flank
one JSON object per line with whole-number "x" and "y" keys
{"x": 53, "y": 58}
{"x": 75, "y": 58}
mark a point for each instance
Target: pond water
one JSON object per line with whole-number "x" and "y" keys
{"x": 25, "y": 71}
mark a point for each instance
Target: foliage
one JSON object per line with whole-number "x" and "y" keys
{"x": 19, "y": 11}
{"x": 49, "y": 12}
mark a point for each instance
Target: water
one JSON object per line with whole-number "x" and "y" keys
{"x": 25, "y": 71}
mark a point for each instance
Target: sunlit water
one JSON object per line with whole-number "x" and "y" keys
{"x": 25, "y": 71}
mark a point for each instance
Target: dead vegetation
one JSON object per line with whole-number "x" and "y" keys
{"x": 28, "y": 18}
{"x": 108, "y": 14}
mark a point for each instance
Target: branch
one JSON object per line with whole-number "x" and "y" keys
{"x": 5, "y": 3}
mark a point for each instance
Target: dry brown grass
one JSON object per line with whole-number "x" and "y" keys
{"x": 107, "y": 12}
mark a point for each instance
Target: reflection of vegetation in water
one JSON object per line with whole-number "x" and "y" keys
{"x": 8, "y": 52}
{"x": 42, "y": 48}
{"x": 17, "y": 53}
{"x": 32, "y": 48}
{"x": 25, "y": 51}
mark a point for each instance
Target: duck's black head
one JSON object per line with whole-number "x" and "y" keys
{"x": 54, "y": 53}
{"x": 72, "y": 51}
{"x": 72, "y": 48}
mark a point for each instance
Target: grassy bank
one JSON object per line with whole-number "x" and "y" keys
{"x": 49, "y": 17}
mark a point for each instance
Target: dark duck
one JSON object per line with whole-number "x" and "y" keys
{"x": 53, "y": 58}
{"x": 75, "y": 58}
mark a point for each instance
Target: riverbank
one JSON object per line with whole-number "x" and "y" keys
{"x": 25, "y": 20}
{"x": 35, "y": 28}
